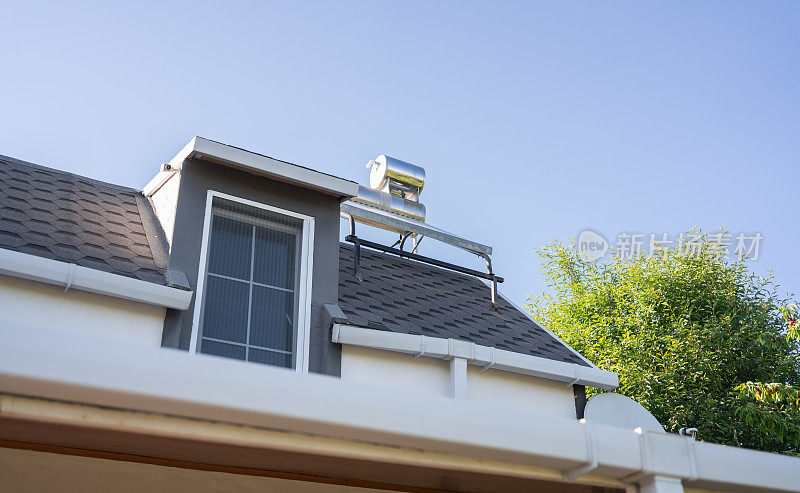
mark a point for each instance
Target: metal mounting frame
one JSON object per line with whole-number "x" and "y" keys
{"x": 358, "y": 243}
{"x": 394, "y": 222}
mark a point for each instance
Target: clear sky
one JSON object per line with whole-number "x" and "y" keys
{"x": 533, "y": 120}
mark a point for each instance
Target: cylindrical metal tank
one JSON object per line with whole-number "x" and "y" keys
{"x": 390, "y": 203}
{"x": 397, "y": 177}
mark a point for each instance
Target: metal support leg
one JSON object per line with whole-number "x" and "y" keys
{"x": 357, "y": 250}
{"x": 403, "y": 239}
{"x": 397, "y": 242}
{"x": 357, "y": 260}
{"x": 493, "y": 281}
{"x": 416, "y": 244}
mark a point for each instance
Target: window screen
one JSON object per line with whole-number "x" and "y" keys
{"x": 252, "y": 278}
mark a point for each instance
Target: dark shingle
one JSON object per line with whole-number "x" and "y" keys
{"x": 70, "y": 218}
{"x": 405, "y": 296}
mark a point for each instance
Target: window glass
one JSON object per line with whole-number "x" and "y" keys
{"x": 272, "y": 318}
{"x": 226, "y": 309}
{"x": 273, "y": 258}
{"x": 252, "y": 277}
{"x": 230, "y": 250}
{"x": 222, "y": 349}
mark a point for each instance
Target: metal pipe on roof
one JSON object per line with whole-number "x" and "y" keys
{"x": 390, "y": 203}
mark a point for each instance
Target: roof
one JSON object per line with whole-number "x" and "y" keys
{"x": 406, "y": 296}
{"x": 70, "y": 218}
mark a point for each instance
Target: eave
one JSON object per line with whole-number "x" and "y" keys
{"x": 51, "y": 364}
{"x": 255, "y": 163}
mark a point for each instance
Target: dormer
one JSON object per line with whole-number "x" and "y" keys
{"x": 258, "y": 239}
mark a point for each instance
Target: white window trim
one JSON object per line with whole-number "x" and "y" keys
{"x": 306, "y": 267}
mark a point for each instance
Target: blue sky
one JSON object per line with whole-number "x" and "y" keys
{"x": 533, "y": 120}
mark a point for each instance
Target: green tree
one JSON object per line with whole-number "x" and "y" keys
{"x": 700, "y": 342}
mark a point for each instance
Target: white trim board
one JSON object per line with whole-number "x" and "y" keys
{"x": 73, "y": 276}
{"x": 484, "y": 356}
{"x": 262, "y": 165}
{"x": 303, "y": 326}
{"x": 158, "y": 181}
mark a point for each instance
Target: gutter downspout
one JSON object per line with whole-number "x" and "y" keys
{"x": 650, "y": 480}
{"x": 591, "y": 464}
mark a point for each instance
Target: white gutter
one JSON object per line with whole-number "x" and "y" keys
{"x": 54, "y": 364}
{"x": 73, "y": 276}
{"x": 483, "y": 356}
{"x": 262, "y": 165}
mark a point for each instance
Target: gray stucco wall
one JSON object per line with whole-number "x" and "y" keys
{"x": 200, "y": 176}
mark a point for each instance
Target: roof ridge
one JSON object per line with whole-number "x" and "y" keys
{"x": 20, "y": 162}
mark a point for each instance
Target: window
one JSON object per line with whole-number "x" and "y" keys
{"x": 254, "y": 290}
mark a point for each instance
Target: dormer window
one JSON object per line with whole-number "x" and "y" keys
{"x": 254, "y": 287}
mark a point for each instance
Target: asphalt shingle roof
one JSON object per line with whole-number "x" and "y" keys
{"x": 70, "y": 218}
{"x": 61, "y": 216}
{"x": 406, "y": 296}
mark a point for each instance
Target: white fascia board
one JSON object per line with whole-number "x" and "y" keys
{"x": 265, "y": 166}
{"x": 176, "y": 162}
{"x": 475, "y": 354}
{"x": 59, "y": 365}
{"x": 71, "y": 276}
{"x": 158, "y": 181}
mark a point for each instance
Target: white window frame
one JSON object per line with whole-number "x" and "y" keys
{"x": 303, "y": 325}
